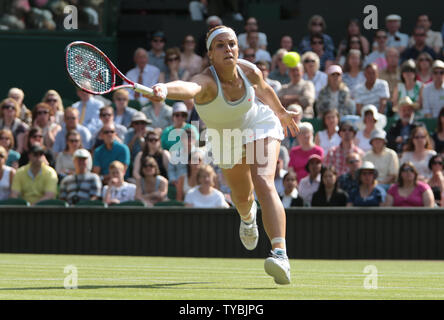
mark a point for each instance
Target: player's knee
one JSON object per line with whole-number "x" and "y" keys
{"x": 263, "y": 184}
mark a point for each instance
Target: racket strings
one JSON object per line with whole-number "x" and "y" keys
{"x": 89, "y": 69}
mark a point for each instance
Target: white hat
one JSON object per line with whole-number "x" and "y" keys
{"x": 378, "y": 134}
{"x": 381, "y": 120}
{"x": 81, "y": 153}
{"x": 393, "y": 17}
{"x": 180, "y": 107}
{"x": 438, "y": 64}
{"x": 334, "y": 69}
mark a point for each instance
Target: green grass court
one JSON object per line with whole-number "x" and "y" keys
{"x": 24, "y": 276}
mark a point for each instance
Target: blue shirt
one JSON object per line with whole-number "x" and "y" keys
{"x": 60, "y": 139}
{"x": 373, "y": 200}
{"x": 93, "y": 106}
{"x": 103, "y": 157}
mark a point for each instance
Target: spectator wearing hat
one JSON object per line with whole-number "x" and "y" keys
{"x": 369, "y": 193}
{"x": 384, "y": 159}
{"x": 391, "y": 73}
{"x": 135, "y": 137}
{"x": 409, "y": 191}
{"x": 399, "y": 132}
{"x": 335, "y": 95}
{"x": 348, "y": 181}
{"x": 373, "y": 91}
{"x": 82, "y": 185}
{"x": 143, "y": 73}
{"x": 171, "y": 134}
{"x": 289, "y": 195}
{"x": 298, "y": 91}
{"x": 336, "y": 157}
{"x": 433, "y": 39}
{"x": 370, "y": 120}
{"x": 123, "y": 113}
{"x": 311, "y": 63}
{"x": 433, "y": 93}
{"x": 300, "y": 154}
{"x": 35, "y": 181}
{"x": 329, "y": 194}
{"x": 408, "y": 86}
{"x": 436, "y": 182}
{"x": 310, "y": 184}
{"x": 418, "y": 151}
{"x": 156, "y": 55}
{"x": 395, "y": 39}
{"x": 109, "y": 151}
{"x": 419, "y": 36}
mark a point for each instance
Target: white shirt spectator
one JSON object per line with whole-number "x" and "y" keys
{"x": 150, "y": 77}
{"x": 319, "y": 81}
{"x": 126, "y": 192}
{"x": 380, "y": 90}
{"x": 91, "y": 119}
{"x": 286, "y": 200}
{"x": 243, "y": 44}
{"x": 401, "y": 41}
{"x": 215, "y": 199}
{"x": 432, "y": 99}
{"x": 260, "y": 55}
{"x": 421, "y": 166}
{"x": 307, "y": 188}
{"x": 327, "y": 143}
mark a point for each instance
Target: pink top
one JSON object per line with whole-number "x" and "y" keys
{"x": 299, "y": 158}
{"x": 413, "y": 200}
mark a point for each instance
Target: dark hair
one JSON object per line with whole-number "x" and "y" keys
{"x": 263, "y": 63}
{"x": 348, "y": 45}
{"x": 326, "y": 113}
{"x": 170, "y": 52}
{"x": 439, "y": 126}
{"x": 32, "y": 132}
{"x": 316, "y": 36}
{"x": 41, "y": 105}
{"x": 322, "y": 185}
{"x": 145, "y": 160}
{"x": 410, "y": 165}
{"x": 432, "y": 159}
{"x": 71, "y": 133}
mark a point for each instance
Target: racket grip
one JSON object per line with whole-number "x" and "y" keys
{"x": 142, "y": 89}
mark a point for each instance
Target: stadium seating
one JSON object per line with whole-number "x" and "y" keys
{"x": 14, "y": 202}
{"x": 170, "y": 203}
{"x": 90, "y": 203}
{"x": 135, "y": 203}
{"x": 53, "y": 203}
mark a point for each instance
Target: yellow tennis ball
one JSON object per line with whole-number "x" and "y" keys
{"x": 291, "y": 59}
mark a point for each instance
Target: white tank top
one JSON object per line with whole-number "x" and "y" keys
{"x": 5, "y": 183}
{"x": 223, "y": 114}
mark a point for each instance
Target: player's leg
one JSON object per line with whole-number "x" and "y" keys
{"x": 273, "y": 212}
{"x": 239, "y": 180}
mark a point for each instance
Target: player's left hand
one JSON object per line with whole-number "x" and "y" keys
{"x": 287, "y": 121}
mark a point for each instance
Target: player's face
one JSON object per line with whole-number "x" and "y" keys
{"x": 224, "y": 50}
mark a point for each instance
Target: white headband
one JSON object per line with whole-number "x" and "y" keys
{"x": 217, "y": 32}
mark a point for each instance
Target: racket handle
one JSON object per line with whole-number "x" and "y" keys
{"x": 142, "y": 89}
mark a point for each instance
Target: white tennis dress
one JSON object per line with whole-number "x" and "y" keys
{"x": 231, "y": 125}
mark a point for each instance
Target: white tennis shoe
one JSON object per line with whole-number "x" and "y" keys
{"x": 248, "y": 232}
{"x": 278, "y": 267}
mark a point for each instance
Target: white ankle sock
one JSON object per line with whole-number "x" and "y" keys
{"x": 252, "y": 215}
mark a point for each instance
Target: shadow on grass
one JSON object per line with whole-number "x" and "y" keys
{"x": 148, "y": 286}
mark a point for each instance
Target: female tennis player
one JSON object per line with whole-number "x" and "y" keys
{"x": 224, "y": 96}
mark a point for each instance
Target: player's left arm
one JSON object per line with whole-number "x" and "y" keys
{"x": 267, "y": 95}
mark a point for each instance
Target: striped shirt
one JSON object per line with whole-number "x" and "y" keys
{"x": 337, "y": 157}
{"x": 84, "y": 186}
{"x": 433, "y": 99}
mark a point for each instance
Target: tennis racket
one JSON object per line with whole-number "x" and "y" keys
{"x": 93, "y": 72}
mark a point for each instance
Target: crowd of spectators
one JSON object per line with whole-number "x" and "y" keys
{"x": 112, "y": 152}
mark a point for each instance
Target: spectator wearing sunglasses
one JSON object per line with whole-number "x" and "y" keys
{"x": 7, "y": 142}
{"x": 419, "y": 36}
{"x": 189, "y": 60}
{"x": 106, "y": 116}
{"x": 35, "y": 137}
{"x": 433, "y": 93}
{"x": 53, "y": 98}
{"x": 337, "y": 155}
{"x": 311, "y": 63}
{"x": 173, "y": 70}
{"x": 152, "y": 187}
{"x": 171, "y": 134}
{"x": 418, "y": 151}
{"x": 433, "y": 39}
{"x": 436, "y": 182}
{"x": 156, "y": 55}
{"x": 41, "y": 117}
{"x": 253, "y": 43}
{"x": 24, "y": 113}
{"x": 409, "y": 191}
{"x": 317, "y": 24}
{"x": 35, "y": 181}
{"x": 326, "y": 58}
{"x": 109, "y": 151}
{"x": 377, "y": 56}
{"x": 123, "y": 113}
{"x": 9, "y": 119}
{"x": 348, "y": 181}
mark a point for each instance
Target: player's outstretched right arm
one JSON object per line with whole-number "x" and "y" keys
{"x": 182, "y": 90}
